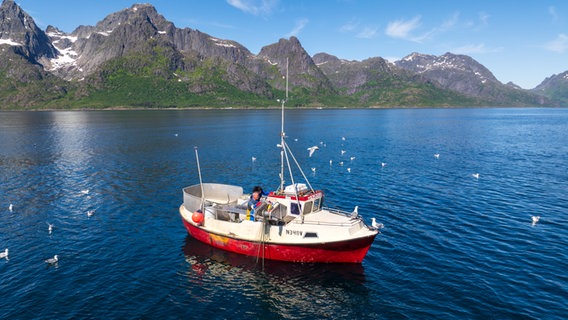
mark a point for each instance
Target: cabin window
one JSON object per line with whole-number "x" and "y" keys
{"x": 308, "y": 207}
{"x": 317, "y": 203}
{"x": 294, "y": 208}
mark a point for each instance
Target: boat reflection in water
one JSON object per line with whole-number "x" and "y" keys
{"x": 275, "y": 287}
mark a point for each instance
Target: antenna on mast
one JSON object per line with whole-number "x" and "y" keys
{"x": 282, "y": 134}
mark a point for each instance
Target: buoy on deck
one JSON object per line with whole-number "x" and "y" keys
{"x": 197, "y": 217}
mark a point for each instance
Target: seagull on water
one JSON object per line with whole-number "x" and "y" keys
{"x": 11, "y": 207}
{"x": 343, "y": 152}
{"x": 4, "y": 255}
{"x": 85, "y": 191}
{"x": 330, "y": 162}
{"x": 475, "y": 175}
{"x": 535, "y": 219}
{"x": 348, "y": 169}
{"x": 313, "y": 149}
{"x": 383, "y": 164}
{"x": 52, "y": 260}
{"x": 437, "y": 155}
{"x": 314, "y": 170}
{"x": 375, "y": 224}
{"x": 352, "y": 158}
{"x": 49, "y": 227}
{"x": 90, "y": 213}
{"x": 253, "y": 159}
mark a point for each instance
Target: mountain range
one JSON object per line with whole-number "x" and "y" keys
{"x": 137, "y": 58}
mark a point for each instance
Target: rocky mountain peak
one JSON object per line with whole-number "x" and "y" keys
{"x": 18, "y": 29}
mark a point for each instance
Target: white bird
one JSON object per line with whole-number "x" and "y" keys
{"x": 49, "y": 227}
{"x": 176, "y": 134}
{"x": 383, "y": 164}
{"x": 437, "y": 155}
{"x": 340, "y": 163}
{"x": 314, "y": 170}
{"x": 343, "y": 138}
{"x": 296, "y": 139}
{"x": 535, "y": 219}
{"x": 90, "y": 213}
{"x": 4, "y": 255}
{"x": 352, "y": 158}
{"x": 52, "y": 260}
{"x": 330, "y": 162}
{"x": 11, "y": 207}
{"x": 475, "y": 175}
{"x": 375, "y": 224}
{"x": 343, "y": 152}
{"x": 348, "y": 169}
{"x": 253, "y": 159}
{"x": 355, "y": 213}
{"x": 85, "y": 191}
{"x": 313, "y": 149}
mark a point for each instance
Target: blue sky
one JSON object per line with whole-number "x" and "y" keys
{"x": 519, "y": 41}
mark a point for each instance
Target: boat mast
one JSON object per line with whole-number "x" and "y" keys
{"x": 282, "y": 134}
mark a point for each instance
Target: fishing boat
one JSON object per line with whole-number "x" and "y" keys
{"x": 287, "y": 224}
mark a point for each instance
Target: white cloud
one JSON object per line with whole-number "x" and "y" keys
{"x": 474, "y": 49}
{"x": 402, "y": 29}
{"x": 558, "y": 45}
{"x": 553, "y": 13}
{"x": 349, "y": 27}
{"x": 300, "y": 24}
{"x": 367, "y": 33}
{"x": 254, "y": 7}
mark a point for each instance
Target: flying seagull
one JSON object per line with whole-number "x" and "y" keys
{"x": 313, "y": 149}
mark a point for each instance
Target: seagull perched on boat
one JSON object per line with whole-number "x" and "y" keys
{"x": 355, "y": 213}
{"x": 313, "y": 149}
{"x": 375, "y": 224}
{"x": 4, "y": 255}
{"x": 52, "y": 260}
{"x": 535, "y": 219}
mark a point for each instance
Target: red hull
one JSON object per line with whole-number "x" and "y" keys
{"x": 352, "y": 251}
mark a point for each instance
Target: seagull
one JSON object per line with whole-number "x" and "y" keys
{"x": 352, "y": 158}
{"x": 535, "y": 219}
{"x": 343, "y": 152}
{"x": 253, "y": 159}
{"x": 355, "y": 213}
{"x": 475, "y": 175}
{"x": 437, "y": 155}
{"x": 383, "y": 164}
{"x": 343, "y": 138}
{"x": 348, "y": 169}
{"x": 375, "y": 224}
{"x": 4, "y": 255}
{"x": 90, "y": 213}
{"x": 314, "y": 170}
{"x": 52, "y": 260}
{"x": 330, "y": 162}
{"x": 296, "y": 139}
{"x": 85, "y": 191}
{"x": 340, "y": 163}
{"x": 176, "y": 135}
{"x": 49, "y": 227}
{"x": 11, "y": 207}
{"x": 313, "y": 149}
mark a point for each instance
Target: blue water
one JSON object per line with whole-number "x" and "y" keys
{"x": 453, "y": 246}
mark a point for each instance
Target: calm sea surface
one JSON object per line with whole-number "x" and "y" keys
{"x": 453, "y": 246}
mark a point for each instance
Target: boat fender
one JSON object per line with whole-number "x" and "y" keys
{"x": 197, "y": 217}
